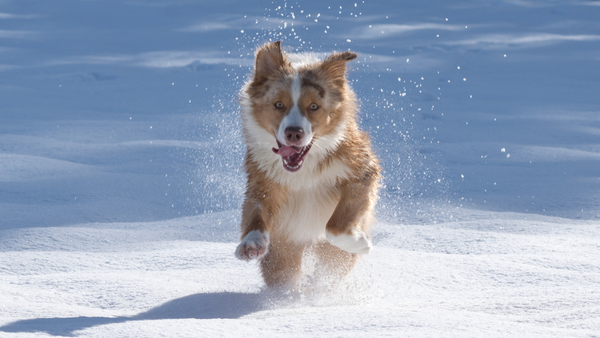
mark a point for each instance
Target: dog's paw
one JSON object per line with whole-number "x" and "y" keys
{"x": 254, "y": 245}
{"x": 358, "y": 242}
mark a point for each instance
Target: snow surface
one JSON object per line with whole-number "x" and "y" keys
{"x": 120, "y": 180}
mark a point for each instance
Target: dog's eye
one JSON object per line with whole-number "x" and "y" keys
{"x": 279, "y": 105}
{"x": 313, "y": 106}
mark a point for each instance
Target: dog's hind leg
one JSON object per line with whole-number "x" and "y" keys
{"x": 333, "y": 263}
{"x": 282, "y": 265}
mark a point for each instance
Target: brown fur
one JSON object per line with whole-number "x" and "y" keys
{"x": 266, "y": 198}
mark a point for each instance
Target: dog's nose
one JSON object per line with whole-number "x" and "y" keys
{"x": 294, "y": 135}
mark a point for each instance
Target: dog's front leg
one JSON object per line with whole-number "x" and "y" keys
{"x": 255, "y": 237}
{"x": 348, "y": 226}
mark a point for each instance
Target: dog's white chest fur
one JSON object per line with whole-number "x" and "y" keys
{"x": 303, "y": 217}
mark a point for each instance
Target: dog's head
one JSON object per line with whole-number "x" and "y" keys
{"x": 300, "y": 101}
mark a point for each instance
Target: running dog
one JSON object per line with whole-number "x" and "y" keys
{"x": 312, "y": 177}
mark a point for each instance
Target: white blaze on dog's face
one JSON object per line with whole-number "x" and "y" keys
{"x": 298, "y": 104}
{"x": 295, "y": 128}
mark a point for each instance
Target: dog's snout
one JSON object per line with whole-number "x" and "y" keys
{"x": 294, "y": 135}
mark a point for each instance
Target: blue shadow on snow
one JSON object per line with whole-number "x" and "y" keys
{"x": 198, "y": 306}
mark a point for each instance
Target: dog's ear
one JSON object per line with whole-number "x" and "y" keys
{"x": 335, "y": 66}
{"x": 269, "y": 59}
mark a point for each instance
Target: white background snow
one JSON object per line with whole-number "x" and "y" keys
{"x": 120, "y": 179}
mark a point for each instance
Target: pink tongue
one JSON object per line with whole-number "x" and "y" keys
{"x": 285, "y": 151}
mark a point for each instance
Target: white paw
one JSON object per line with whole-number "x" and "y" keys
{"x": 358, "y": 242}
{"x": 254, "y": 245}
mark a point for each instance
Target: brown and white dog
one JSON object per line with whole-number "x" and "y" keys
{"x": 312, "y": 176}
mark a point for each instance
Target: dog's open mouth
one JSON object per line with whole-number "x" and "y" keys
{"x": 293, "y": 157}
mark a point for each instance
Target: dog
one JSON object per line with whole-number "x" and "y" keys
{"x": 312, "y": 177}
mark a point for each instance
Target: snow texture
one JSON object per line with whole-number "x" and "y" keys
{"x": 121, "y": 181}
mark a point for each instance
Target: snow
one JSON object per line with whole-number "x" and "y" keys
{"x": 120, "y": 179}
